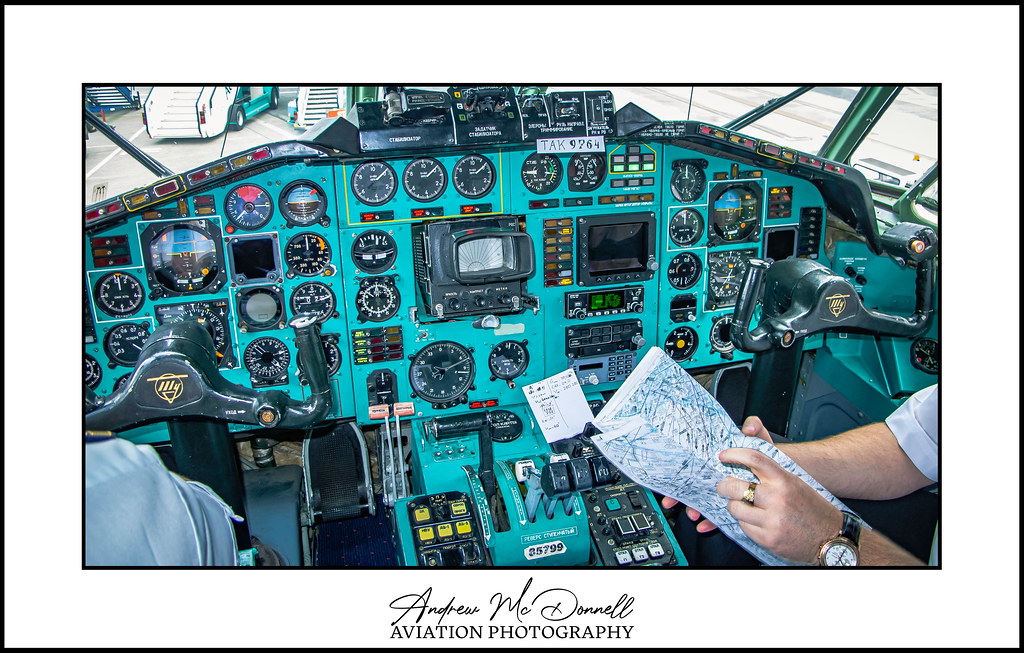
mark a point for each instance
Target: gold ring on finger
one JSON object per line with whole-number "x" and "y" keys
{"x": 748, "y": 494}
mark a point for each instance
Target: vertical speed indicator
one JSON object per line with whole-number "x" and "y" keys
{"x": 119, "y": 294}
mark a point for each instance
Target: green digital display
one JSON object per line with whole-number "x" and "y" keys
{"x": 606, "y": 300}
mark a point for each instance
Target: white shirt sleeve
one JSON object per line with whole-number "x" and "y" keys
{"x": 916, "y": 427}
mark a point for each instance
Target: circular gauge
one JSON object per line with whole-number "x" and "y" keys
{"x": 473, "y": 176}
{"x": 374, "y": 183}
{"x": 442, "y": 372}
{"x": 267, "y": 358}
{"x": 684, "y": 270}
{"x": 212, "y": 317}
{"x": 93, "y": 372}
{"x": 688, "y": 182}
{"x": 585, "y": 172}
{"x": 377, "y": 299}
{"x": 686, "y": 227}
{"x": 314, "y": 298}
{"x": 119, "y": 294}
{"x": 183, "y": 259}
{"x": 332, "y": 355}
{"x": 120, "y": 382}
{"x": 124, "y": 342}
{"x": 303, "y": 203}
{"x": 307, "y": 254}
{"x": 735, "y": 213}
{"x": 506, "y": 426}
{"x": 248, "y": 207}
{"x": 924, "y": 355}
{"x": 681, "y": 344}
{"x": 541, "y": 173}
{"x": 374, "y": 251}
{"x": 260, "y": 308}
{"x": 424, "y": 179}
{"x": 508, "y": 359}
{"x": 725, "y": 275}
{"x": 720, "y": 329}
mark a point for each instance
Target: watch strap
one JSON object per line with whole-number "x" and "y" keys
{"x": 851, "y": 527}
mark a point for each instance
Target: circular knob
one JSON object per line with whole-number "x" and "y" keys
{"x": 592, "y": 379}
{"x": 454, "y": 304}
{"x": 638, "y": 340}
{"x": 505, "y": 298}
{"x": 480, "y": 301}
{"x": 267, "y": 416}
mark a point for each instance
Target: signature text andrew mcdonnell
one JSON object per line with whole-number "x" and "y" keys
{"x": 542, "y": 614}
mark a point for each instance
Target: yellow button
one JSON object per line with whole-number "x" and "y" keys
{"x": 422, "y": 515}
{"x": 444, "y": 530}
{"x": 426, "y": 534}
{"x": 464, "y": 527}
{"x": 458, "y": 508}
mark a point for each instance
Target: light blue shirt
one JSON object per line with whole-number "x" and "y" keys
{"x": 137, "y": 513}
{"x": 916, "y": 427}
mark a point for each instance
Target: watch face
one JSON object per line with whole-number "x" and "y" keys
{"x": 839, "y": 554}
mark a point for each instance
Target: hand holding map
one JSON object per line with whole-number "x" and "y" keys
{"x": 664, "y": 431}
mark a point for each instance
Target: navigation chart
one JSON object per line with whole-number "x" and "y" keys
{"x": 665, "y": 431}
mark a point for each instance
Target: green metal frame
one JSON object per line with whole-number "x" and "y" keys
{"x": 355, "y": 94}
{"x": 860, "y": 118}
{"x": 904, "y": 206}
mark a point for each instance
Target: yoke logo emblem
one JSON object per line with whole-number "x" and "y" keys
{"x": 836, "y": 304}
{"x": 168, "y": 386}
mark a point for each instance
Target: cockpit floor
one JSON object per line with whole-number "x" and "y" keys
{"x": 361, "y": 542}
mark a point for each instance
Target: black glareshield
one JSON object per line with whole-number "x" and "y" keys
{"x": 177, "y": 376}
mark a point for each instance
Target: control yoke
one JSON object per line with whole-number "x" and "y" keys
{"x": 801, "y": 297}
{"x": 177, "y": 376}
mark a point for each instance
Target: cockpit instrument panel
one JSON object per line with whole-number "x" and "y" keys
{"x": 469, "y": 262}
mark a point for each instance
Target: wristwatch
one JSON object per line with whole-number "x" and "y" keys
{"x": 841, "y": 550}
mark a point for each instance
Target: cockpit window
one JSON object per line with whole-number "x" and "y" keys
{"x": 905, "y": 141}
{"x": 802, "y": 124}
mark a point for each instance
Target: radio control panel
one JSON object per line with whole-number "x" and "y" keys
{"x": 604, "y": 369}
{"x": 594, "y": 303}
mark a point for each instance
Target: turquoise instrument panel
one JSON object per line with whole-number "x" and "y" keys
{"x": 447, "y": 278}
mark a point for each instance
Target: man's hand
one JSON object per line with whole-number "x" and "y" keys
{"x": 753, "y": 427}
{"x": 788, "y": 517}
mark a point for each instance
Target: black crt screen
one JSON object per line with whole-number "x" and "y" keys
{"x": 617, "y": 248}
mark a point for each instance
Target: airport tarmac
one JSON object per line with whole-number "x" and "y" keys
{"x": 110, "y": 171}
